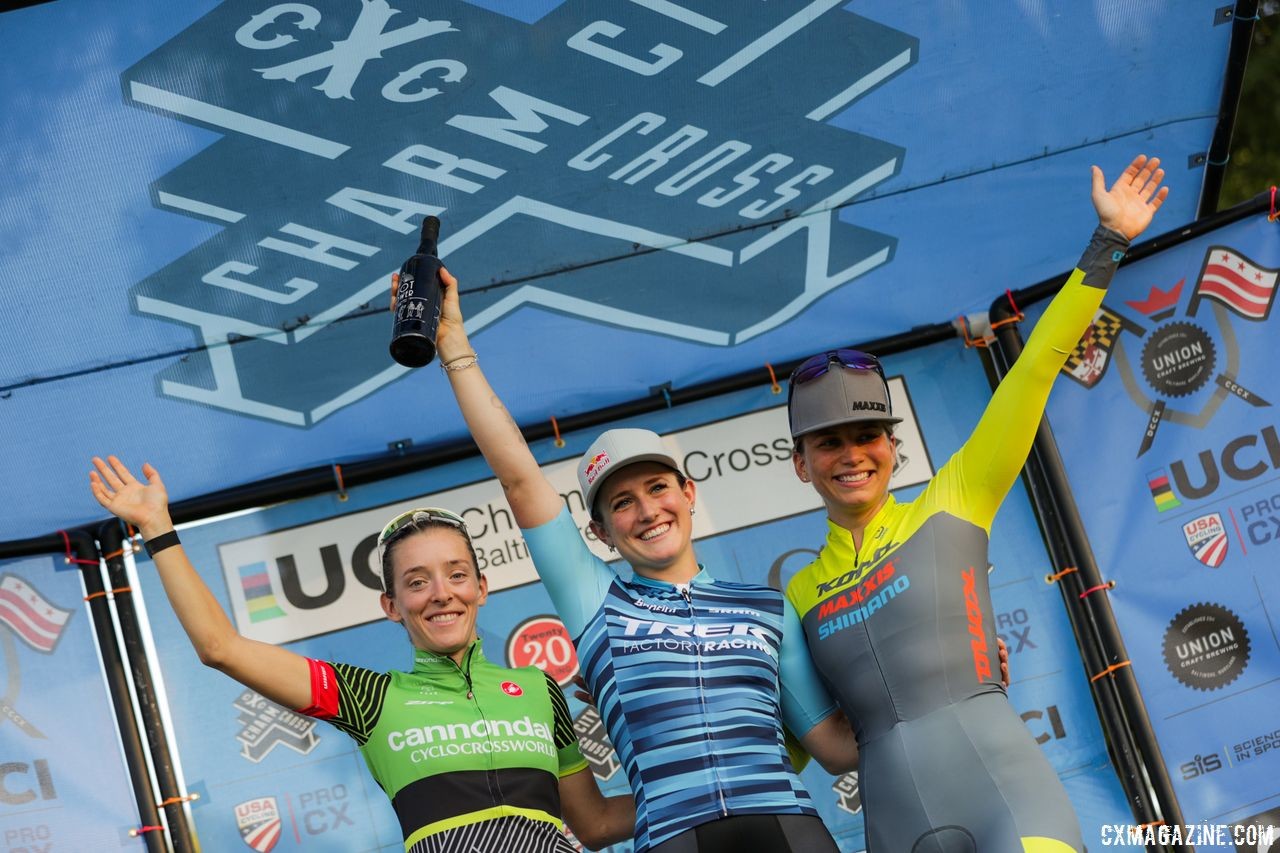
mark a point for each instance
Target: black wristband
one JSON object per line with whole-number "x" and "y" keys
{"x": 159, "y": 543}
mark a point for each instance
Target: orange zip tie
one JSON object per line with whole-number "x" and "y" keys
{"x": 1275, "y": 214}
{"x": 773, "y": 380}
{"x": 107, "y": 592}
{"x": 1093, "y": 589}
{"x": 1108, "y": 671}
{"x": 1060, "y": 575}
{"x": 134, "y": 833}
{"x": 969, "y": 340}
{"x": 70, "y": 560}
{"x": 555, "y": 427}
{"x": 175, "y": 800}
{"x": 342, "y": 487}
{"x": 1152, "y": 823}
{"x": 1017, "y": 317}
{"x": 127, "y": 548}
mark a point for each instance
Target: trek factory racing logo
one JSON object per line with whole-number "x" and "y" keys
{"x": 598, "y": 131}
{"x": 266, "y": 725}
{"x": 1185, "y": 379}
{"x": 645, "y": 635}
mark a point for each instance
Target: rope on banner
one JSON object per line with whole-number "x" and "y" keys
{"x": 1093, "y": 589}
{"x": 141, "y": 830}
{"x": 1109, "y": 670}
{"x": 555, "y": 428}
{"x": 969, "y": 340}
{"x": 107, "y": 593}
{"x": 70, "y": 560}
{"x": 1017, "y": 316}
{"x": 1060, "y": 575}
{"x": 1274, "y": 214}
{"x": 773, "y": 380}
{"x": 342, "y": 486}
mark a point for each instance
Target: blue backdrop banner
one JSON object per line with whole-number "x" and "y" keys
{"x": 63, "y": 782}
{"x": 1169, "y": 435}
{"x": 203, "y": 201}
{"x": 757, "y": 522}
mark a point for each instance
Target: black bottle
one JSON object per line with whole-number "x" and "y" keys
{"x": 413, "y": 336}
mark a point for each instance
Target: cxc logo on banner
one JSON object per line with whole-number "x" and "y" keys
{"x": 695, "y": 144}
{"x": 1185, "y": 380}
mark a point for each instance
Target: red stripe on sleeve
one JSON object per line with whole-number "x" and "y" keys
{"x": 324, "y": 691}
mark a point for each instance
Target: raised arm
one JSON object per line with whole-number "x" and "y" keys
{"x": 276, "y": 673}
{"x": 533, "y": 500}
{"x": 986, "y": 467}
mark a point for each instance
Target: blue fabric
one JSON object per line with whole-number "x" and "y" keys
{"x": 686, "y": 680}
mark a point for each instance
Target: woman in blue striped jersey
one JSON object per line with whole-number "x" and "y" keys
{"x": 686, "y": 668}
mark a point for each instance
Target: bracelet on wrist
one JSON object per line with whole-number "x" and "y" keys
{"x": 158, "y": 543}
{"x": 462, "y": 362}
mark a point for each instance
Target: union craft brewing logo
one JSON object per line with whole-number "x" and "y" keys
{"x": 1207, "y": 538}
{"x": 546, "y": 144}
{"x": 1185, "y": 380}
{"x": 1206, "y": 646}
{"x": 259, "y": 823}
{"x": 265, "y": 725}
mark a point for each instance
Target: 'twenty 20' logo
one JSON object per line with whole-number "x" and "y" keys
{"x": 588, "y": 133}
{"x": 1179, "y": 359}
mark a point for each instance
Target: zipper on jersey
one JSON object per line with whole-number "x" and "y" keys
{"x": 686, "y": 591}
{"x": 491, "y": 775}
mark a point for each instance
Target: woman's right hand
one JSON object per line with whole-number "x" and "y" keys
{"x": 144, "y": 505}
{"x": 451, "y": 337}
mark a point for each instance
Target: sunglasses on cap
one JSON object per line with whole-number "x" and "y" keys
{"x": 412, "y": 517}
{"x": 813, "y": 367}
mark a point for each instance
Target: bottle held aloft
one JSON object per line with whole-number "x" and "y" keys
{"x": 413, "y": 335}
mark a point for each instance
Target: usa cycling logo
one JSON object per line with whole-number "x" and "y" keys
{"x": 1207, "y": 538}
{"x": 549, "y": 141}
{"x": 1189, "y": 369}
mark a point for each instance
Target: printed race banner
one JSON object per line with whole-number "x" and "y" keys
{"x": 63, "y": 781}
{"x": 304, "y": 574}
{"x": 1168, "y": 426}
{"x": 691, "y": 187}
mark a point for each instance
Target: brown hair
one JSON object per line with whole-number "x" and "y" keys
{"x": 420, "y": 526}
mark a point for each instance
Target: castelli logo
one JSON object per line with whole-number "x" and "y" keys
{"x": 512, "y": 689}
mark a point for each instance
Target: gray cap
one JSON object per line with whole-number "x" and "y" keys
{"x": 842, "y": 395}
{"x": 615, "y": 449}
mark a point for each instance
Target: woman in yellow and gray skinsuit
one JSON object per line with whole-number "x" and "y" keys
{"x": 896, "y": 609}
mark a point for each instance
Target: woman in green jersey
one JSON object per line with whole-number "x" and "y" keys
{"x": 486, "y": 767}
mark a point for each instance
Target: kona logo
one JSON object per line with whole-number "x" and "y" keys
{"x": 973, "y": 612}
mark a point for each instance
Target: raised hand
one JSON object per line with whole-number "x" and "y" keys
{"x": 1133, "y": 199}
{"x": 144, "y": 505}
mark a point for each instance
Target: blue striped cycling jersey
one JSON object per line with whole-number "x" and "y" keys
{"x": 687, "y": 682}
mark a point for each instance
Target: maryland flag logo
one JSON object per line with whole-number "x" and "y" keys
{"x": 1088, "y": 363}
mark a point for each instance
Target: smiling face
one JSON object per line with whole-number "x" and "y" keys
{"x": 849, "y": 465}
{"x": 646, "y": 514}
{"x": 436, "y": 591}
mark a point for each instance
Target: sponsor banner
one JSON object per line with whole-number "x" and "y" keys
{"x": 1186, "y": 519}
{"x": 758, "y": 523}
{"x": 314, "y": 578}
{"x": 49, "y": 663}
